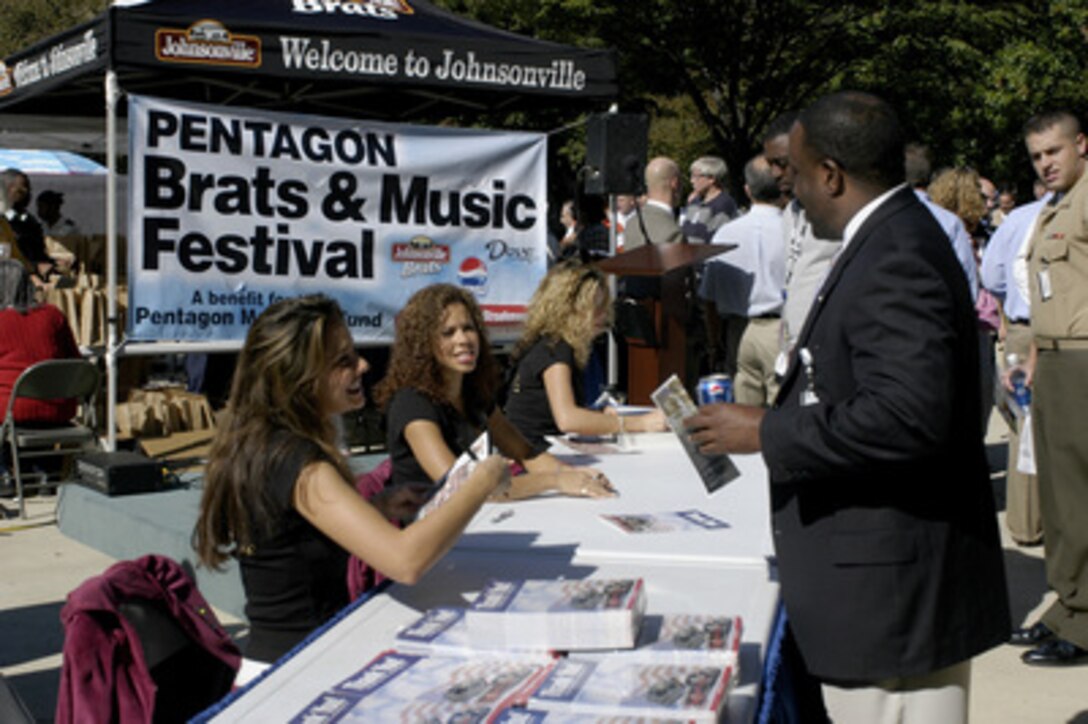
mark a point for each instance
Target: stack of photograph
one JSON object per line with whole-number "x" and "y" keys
{"x": 546, "y": 650}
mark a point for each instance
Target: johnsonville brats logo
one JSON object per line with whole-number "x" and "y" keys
{"x": 383, "y": 9}
{"x": 208, "y": 42}
{"x": 421, "y": 255}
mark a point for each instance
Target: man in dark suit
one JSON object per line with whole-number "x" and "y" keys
{"x": 883, "y": 518}
{"x": 29, "y": 240}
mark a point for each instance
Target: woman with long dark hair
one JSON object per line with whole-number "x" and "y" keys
{"x": 278, "y": 494}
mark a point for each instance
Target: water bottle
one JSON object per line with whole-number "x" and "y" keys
{"x": 1021, "y": 393}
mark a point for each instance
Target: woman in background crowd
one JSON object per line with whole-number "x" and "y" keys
{"x": 30, "y": 332}
{"x": 439, "y": 396}
{"x": 569, "y": 310}
{"x": 959, "y": 191}
{"x": 278, "y": 494}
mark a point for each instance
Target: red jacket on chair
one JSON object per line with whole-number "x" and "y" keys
{"x": 103, "y": 676}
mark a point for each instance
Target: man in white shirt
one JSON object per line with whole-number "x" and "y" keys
{"x": 808, "y": 257}
{"x": 62, "y": 235}
{"x": 746, "y": 284}
{"x": 54, "y": 223}
{"x": 919, "y": 167}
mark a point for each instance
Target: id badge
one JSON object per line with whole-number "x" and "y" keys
{"x": 781, "y": 364}
{"x": 1045, "y": 292}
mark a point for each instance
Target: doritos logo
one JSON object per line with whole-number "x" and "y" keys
{"x": 207, "y": 42}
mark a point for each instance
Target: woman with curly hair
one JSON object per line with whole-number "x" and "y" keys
{"x": 958, "y": 190}
{"x": 568, "y": 311}
{"x": 439, "y": 395}
{"x": 278, "y": 494}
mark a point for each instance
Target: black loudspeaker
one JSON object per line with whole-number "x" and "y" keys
{"x": 615, "y": 153}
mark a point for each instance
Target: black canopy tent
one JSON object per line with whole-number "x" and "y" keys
{"x": 386, "y": 59}
{"x": 377, "y": 59}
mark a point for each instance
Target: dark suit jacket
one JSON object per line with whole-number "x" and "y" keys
{"x": 883, "y": 516}
{"x": 30, "y": 239}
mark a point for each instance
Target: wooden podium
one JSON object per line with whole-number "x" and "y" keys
{"x": 651, "y": 361}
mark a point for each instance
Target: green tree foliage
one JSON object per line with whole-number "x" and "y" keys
{"x": 25, "y": 22}
{"x": 965, "y": 74}
{"x": 740, "y": 62}
{"x": 1044, "y": 66}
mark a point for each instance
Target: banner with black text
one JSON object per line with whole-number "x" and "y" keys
{"x": 231, "y": 209}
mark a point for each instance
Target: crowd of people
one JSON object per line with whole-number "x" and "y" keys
{"x": 872, "y": 312}
{"x": 46, "y": 243}
{"x": 36, "y": 254}
{"x": 847, "y": 336}
{"x": 31, "y": 330}
{"x": 851, "y": 309}
{"x": 278, "y": 494}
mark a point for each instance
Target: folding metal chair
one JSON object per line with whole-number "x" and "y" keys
{"x": 142, "y": 619}
{"x": 50, "y": 380}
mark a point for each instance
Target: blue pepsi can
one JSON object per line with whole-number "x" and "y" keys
{"x": 714, "y": 388}
{"x": 1020, "y": 391}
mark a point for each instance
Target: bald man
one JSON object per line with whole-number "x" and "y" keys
{"x": 658, "y": 219}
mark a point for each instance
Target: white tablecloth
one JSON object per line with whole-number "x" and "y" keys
{"x": 715, "y": 572}
{"x": 653, "y": 476}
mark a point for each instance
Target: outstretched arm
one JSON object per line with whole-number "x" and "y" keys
{"x": 570, "y": 417}
{"x": 333, "y": 506}
{"x": 545, "y": 471}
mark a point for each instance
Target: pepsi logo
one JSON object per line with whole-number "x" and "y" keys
{"x": 472, "y": 274}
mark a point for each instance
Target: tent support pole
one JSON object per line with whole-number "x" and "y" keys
{"x": 112, "y": 94}
{"x": 612, "y": 374}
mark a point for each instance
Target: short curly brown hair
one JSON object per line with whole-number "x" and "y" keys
{"x": 413, "y": 363}
{"x": 958, "y": 190}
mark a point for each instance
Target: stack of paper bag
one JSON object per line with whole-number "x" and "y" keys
{"x": 163, "y": 411}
